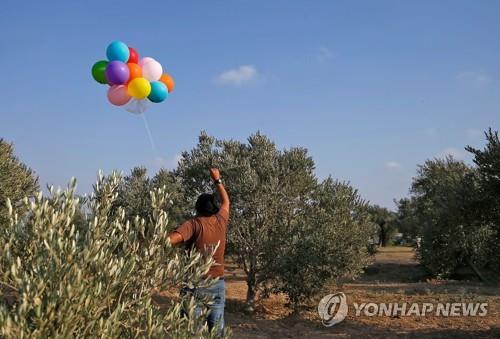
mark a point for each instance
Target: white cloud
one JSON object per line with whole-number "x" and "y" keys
{"x": 237, "y": 76}
{"x": 456, "y": 153}
{"x": 392, "y": 165}
{"x": 168, "y": 163}
{"x": 473, "y": 133}
{"x": 324, "y": 54}
{"x": 473, "y": 78}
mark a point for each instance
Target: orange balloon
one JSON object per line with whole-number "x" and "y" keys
{"x": 168, "y": 81}
{"x": 135, "y": 71}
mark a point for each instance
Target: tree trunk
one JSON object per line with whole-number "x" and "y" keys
{"x": 382, "y": 237}
{"x": 475, "y": 269}
{"x": 251, "y": 287}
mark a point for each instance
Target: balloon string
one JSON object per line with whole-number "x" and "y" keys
{"x": 153, "y": 145}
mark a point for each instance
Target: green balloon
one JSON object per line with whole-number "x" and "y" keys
{"x": 99, "y": 71}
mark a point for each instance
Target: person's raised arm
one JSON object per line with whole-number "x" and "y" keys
{"x": 214, "y": 173}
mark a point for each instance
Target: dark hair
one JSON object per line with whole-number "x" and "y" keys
{"x": 207, "y": 205}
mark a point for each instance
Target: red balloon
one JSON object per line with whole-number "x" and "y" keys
{"x": 134, "y": 56}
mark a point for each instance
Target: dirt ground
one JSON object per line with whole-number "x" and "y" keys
{"x": 394, "y": 277}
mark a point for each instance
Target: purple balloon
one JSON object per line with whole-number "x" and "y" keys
{"x": 117, "y": 72}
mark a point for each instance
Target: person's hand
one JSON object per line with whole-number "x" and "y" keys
{"x": 214, "y": 174}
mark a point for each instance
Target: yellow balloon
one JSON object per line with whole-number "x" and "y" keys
{"x": 139, "y": 88}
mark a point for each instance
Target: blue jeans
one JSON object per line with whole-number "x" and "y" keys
{"x": 216, "y": 309}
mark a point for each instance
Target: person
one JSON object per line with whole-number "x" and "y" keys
{"x": 206, "y": 230}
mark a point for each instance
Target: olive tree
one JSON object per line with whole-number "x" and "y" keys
{"x": 278, "y": 225}
{"x": 407, "y": 219}
{"x": 134, "y": 194}
{"x": 487, "y": 161}
{"x": 445, "y": 194}
{"x": 95, "y": 278}
{"x": 264, "y": 184}
{"x": 385, "y": 220}
{"x": 328, "y": 239}
{"x": 16, "y": 180}
{"x": 177, "y": 210}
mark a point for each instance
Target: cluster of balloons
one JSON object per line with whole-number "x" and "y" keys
{"x": 133, "y": 82}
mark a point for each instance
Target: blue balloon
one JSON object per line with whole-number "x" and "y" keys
{"x": 117, "y": 51}
{"x": 158, "y": 92}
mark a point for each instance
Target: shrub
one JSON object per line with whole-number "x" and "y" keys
{"x": 488, "y": 173}
{"x": 327, "y": 241}
{"x": 94, "y": 277}
{"x": 445, "y": 194}
{"x": 16, "y": 180}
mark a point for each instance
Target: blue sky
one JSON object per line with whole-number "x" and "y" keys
{"x": 371, "y": 88}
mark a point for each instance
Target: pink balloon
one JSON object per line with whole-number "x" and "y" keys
{"x": 117, "y": 95}
{"x": 145, "y": 60}
{"x": 152, "y": 70}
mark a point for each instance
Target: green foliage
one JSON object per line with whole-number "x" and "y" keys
{"x": 488, "y": 169}
{"x": 177, "y": 209}
{"x": 445, "y": 194}
{"x": 385, "y": 220}
{"x": 134, "y": 195}
{"x": 16, "y": 180}
{"x": 94, "y": 278}
{"x": 250, "y": 172}
{"x": 406, "y": 219}
{"x": 488, "y": 173}
{"x": 327, "y": 239}
{"x": 279, "y": 230}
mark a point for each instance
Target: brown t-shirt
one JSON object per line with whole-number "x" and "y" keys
{"x": 205, "y": 232}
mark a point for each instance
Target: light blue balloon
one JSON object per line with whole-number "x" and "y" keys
{"x": 158, "y": 92}
{"x": 117, "y": 50}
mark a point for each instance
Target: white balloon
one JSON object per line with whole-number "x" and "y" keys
{"x": 145, "y": 60}
{"x": 152, "y": 70}
{"x": 137, "y": 106}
